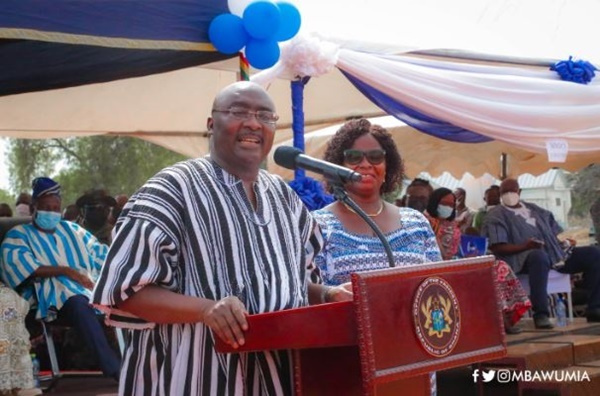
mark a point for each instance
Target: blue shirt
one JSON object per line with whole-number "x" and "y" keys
{"x": 26, "y": 248}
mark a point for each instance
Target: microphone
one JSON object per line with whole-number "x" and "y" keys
{"x": 292, "y": 158}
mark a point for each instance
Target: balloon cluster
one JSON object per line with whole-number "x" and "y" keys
{"x": 262, "y": 26}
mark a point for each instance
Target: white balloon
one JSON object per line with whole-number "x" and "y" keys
{"x": 237, "y": 7}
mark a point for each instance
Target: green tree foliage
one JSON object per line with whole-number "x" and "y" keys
{"x": 7, "y": 197}
{"x": 118, "y": 164}
{"x": 584, "y": 192}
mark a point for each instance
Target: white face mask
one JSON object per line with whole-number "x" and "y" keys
{"x": 444, "y": 211}
{"x": 510, "y": 199}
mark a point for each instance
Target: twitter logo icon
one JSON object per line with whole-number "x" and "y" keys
{"x": 488, "y": 375}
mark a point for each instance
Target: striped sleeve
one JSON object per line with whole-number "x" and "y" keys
{"x": 97, "y": 251}
{"x": 494, "y": 229}
{"x": 18, "y": 260}
{"x": 140, "y": 255}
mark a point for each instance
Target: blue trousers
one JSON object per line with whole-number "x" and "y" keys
{"x": 584, "y": 259}
{"x": 78, "y": 313}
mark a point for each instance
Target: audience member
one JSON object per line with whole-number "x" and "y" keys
{"x": 15, "y": 363}
{"x": 464, "y": 214}
{"x": 492, "y": 199}
{"x": 5, "y": 210}
{"x": 441, "y": 212}
{"x": 201, "y": 245}
{"x": 95, "y": 207}
{"x": 51, "y": 262}
{"x": 71, "y": 213}
{"x": 23, "y": 205}
{"x": 525, "y": 236}
{"x": 120, "y": 200}
{"x": 417, "y": 194}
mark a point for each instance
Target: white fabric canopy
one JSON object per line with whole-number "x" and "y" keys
{"x": 422, "y": 152}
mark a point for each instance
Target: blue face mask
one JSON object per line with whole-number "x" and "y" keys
{"x": 47, "y": 220}
{"x": 444, "y": 211}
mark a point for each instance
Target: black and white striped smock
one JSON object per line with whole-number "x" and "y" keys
{"x": 192, "y": 229}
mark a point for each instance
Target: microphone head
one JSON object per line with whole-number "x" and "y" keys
{"x": 286, "y": 156}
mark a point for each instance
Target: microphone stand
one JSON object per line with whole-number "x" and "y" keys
{"x": 342, "y": 196}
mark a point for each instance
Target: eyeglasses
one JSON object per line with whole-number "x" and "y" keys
{"x": 355, "y": 157}
{"x": 263, "y": 116}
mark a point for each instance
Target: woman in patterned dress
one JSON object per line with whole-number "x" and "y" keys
{"x": 350, "y": 244}
{"x": 15, "y": 361}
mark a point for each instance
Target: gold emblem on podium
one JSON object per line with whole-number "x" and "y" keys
{"x": 436, "y": 315}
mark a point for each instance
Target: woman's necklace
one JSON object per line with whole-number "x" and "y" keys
{"x": 368, "y": 214}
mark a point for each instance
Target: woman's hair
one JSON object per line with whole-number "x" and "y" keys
{"x": 434, "y": 201}
{"x": 5, "y": 210}
{"x": 345, "y": 137}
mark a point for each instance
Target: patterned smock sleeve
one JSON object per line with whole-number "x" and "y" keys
{"x": 144, "y": 251}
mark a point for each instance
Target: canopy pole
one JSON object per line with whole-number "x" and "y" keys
{"x": 503, "y": 166}
{"x": 297, "y": 87}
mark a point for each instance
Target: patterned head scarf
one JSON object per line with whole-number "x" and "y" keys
{"x": 43, "y": 186}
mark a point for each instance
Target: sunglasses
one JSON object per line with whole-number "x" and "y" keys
{"x": 355, "y": 157}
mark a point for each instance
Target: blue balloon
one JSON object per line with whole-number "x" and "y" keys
{"x": 262, "y": 19}
{"x": 226, "y": 32}
{"x": 262, "y": 54}
{"x": 290, "y": 21}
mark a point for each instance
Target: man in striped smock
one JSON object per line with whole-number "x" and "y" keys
{"x": 52, "y": 263}
{"x": 201, "y": 245}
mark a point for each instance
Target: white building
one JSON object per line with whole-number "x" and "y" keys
{"x": 551, "y": 191}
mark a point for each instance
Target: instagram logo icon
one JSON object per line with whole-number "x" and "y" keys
{"x": 486, "y": 375}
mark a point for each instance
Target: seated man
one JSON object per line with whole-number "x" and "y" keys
{"x": 525, "y": 236}
{"x": 95, "y": 207}
{"x": 491, "y": 196}
{"x": 51, "y": 262}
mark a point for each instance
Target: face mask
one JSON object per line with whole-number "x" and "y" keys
{"x": 417, "y": 203}
{"x": 23, "y": 210}
{"x": 444, "y": 211}
{"x": 96, "y": 218}
{"x": 510, "y": 199}
{"x": 47, "y": 220}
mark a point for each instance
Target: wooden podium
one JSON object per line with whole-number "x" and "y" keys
{"x": 404, "y": 323}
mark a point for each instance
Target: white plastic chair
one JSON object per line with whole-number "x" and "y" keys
{"x": 557, "y": 283}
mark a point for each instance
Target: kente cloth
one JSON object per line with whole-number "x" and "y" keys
{"x": 413, "y": 242}
{"x": 25, "y": 248}
{"x": 192, "y": 230}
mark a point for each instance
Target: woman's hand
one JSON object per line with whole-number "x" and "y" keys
{"x": 227, "y": 319}
{"x": 340, "y": 293}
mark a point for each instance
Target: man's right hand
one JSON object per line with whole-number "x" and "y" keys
{"x": 227, "y": 318}
{"x": 533, "y": 243}
{"x": 81, "y": 278}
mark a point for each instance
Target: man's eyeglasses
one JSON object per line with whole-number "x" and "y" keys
{"x": 355, "y": 157}
{"x": 263, "y": 116}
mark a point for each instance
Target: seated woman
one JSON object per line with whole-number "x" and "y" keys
{"x": 350, "y": 244}
{"x": 15, "y": 362}
{"x": 441, "y": 212}
{"x": 513, "y": 299}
